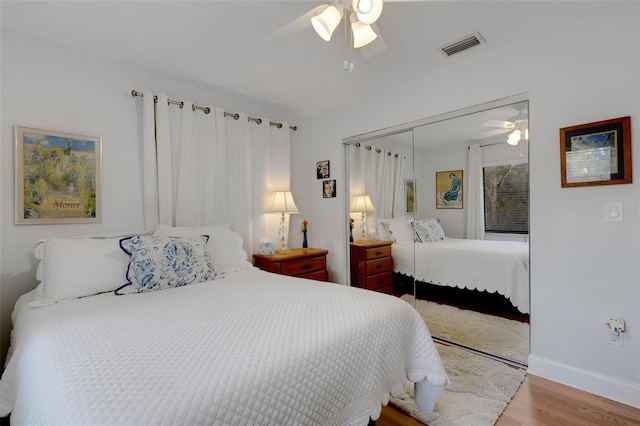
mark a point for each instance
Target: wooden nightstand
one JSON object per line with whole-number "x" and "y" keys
{"x": 372, "y": 265}
{"x": 304, "y": 263}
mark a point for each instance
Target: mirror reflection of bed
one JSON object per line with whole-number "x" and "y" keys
{"x": 460, "y": 251}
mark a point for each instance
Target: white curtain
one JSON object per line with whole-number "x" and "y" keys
{"x": 377, "y": 173}
{"x": 475, "y": 195}
{"x": 206, "y": 169}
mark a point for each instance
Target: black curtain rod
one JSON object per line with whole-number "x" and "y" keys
{"x": 378, "y": 150}
{"x": 207, "y": 110}
{"x": 489, "y": 144}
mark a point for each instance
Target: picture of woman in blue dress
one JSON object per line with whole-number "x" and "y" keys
{"x": 452, "y": 194}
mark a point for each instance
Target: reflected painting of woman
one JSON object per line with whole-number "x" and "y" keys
{"x": 452, "y": 194}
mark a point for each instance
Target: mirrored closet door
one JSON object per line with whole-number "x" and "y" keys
{"x": 454, "y": 212}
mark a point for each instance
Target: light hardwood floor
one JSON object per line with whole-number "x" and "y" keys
{"x": 541, "y": 402}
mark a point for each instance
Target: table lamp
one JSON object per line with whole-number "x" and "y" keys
{"x": 282, "y": 203}
{"x": 363, "y": 204}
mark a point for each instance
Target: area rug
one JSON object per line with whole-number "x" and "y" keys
{"x": 481, "y": 389}
{"x": 488, "y": 333}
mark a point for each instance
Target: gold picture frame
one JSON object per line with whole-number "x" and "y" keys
{"x": 596, "y": 153}
{"x": 57, "y": 177}
{"x": 449, "y": 189}
{"x": 409, "y": 196}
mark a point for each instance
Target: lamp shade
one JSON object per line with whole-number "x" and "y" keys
{"x": 362, "y": 34}
{"x": 368, "y": 11}
{"x": 326, "y": 22}
{"x": 282, "y": 202}
{"x": 362, "y": 203}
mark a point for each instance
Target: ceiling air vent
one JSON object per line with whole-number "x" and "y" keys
{"x": 468, "y": 42}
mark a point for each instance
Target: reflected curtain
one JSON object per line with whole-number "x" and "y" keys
{"x": 204, "y": 169}
{"x": 475, "y": 195}
{"x": 378, "y": 173}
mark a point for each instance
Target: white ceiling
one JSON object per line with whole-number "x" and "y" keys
{"x": 222, "y": 43}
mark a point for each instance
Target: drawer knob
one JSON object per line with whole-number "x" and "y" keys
{"x": 380, "y": 280}
{"x": 306, "y": 266}
{"x": 378, "y": 252}
{"x": 379, "y": 265}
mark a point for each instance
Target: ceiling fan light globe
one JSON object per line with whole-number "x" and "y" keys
{"x": 362, "y": 34}
{"x": 514, "y": 137}
{"x": 326, "y": 22}
{"x": 362, "y": 6}
{"x": 367, "y": 11}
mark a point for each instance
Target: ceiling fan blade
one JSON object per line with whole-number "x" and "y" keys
{"x": 490, "y": 133}
{"x": 294, "y": 27}
{"x": 376, "y": 47}
{"x": 500, "y": 123}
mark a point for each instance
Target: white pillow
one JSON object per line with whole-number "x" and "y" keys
{"x": 401, "y": 231}
{"x": 224, "y": 246}
{"x": 39, "y": 250}
{"x": 382, "y": 226}
{"x": 77, "y": 267}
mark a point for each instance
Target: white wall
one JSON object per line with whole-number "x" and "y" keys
{"x": 47, "y": 86}
{"x": 582, "y": 268}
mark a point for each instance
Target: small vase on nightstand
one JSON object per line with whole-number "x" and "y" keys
{"x": 305, "y": 244}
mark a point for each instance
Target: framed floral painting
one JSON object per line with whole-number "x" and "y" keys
{"x": 57, "y": 177}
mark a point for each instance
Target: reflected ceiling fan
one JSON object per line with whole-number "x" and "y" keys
{"x": 518, "y": 130}
{"x": 361, "y": 15}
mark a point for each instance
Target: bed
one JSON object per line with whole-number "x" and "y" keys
{"x": 246, "y": 347}
{"x": 429, "y": 256}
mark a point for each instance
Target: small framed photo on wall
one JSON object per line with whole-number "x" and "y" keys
{"x": 323, "y": 170}
{"x": 329, "y": 188}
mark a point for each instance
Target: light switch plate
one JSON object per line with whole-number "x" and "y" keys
{"x": 613, "y": 211}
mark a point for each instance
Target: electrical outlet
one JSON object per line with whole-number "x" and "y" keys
{"x": 612, "y": 339}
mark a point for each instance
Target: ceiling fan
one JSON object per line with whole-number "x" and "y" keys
{"x": 361, "y": 15}
{"x": 518, "y": 130}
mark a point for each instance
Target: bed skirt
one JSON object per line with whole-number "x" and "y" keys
{"x": 480, "y": 301}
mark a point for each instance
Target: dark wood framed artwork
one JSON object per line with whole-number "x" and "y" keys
{"x": 596, "y": 153}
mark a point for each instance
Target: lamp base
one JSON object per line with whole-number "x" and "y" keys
{"x": 283, "y": 249}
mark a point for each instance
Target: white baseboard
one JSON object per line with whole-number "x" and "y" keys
{"x": 606, "y": 387}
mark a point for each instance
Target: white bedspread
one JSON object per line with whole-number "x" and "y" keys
{"x": 494, "y": 266}
{"x": 251, "y": 348}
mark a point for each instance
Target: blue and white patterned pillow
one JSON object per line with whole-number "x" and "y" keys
{"x": 164, "y": 262}
{"x": 427, "y": 231}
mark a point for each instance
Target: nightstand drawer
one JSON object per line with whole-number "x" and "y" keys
{"x": 380, "y": 282}
{"x": 308, "y": 263}
{"x": 378, "y": 266}
{"x": 304, "y": 266}
{"x": 378, "y": 252}
{"x": 317, "y": 275}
